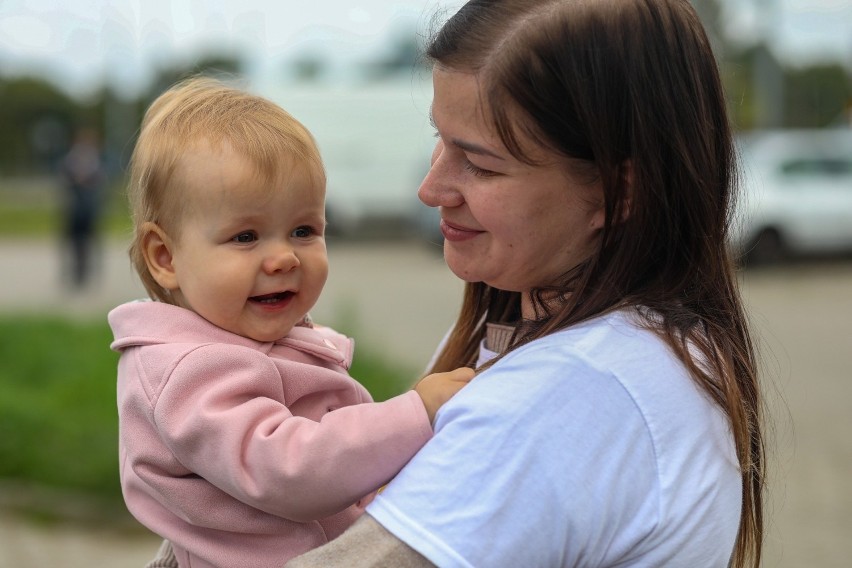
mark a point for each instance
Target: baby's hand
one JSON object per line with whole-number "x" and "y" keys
{"x": 438, "y": 388}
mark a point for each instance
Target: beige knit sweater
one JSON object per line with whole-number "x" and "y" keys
{"x": 366, "y": 544}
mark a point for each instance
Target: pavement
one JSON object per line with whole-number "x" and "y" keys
{"x": 398, "y": 299}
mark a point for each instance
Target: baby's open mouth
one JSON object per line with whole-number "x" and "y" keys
{"x": 272, "y": 298}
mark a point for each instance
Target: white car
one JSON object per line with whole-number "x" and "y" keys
{"x": 797, "y": 195}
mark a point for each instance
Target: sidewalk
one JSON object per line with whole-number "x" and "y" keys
{"x": 28, "y": 544}
{"x": 33, "y": 279}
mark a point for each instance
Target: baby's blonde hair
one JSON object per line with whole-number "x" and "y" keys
{"x": 206, "y": 110}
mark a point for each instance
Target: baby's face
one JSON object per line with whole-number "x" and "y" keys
{"x": 250, "y": 259}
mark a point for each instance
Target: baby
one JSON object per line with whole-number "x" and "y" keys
{"x": 243, "y": 440}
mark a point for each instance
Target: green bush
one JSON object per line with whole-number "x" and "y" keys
{"x": 57, "y": 403}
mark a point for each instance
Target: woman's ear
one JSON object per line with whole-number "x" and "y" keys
{"x": 598, "y": 218}
{"x": 157, "y": 249}
{"x": 626, "y": 177}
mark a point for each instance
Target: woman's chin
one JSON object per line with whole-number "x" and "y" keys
{"x": 461, "y": 268}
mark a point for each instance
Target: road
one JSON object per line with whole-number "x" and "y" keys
{"x": 400, "y": 298}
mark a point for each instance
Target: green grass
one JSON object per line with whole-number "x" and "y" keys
{"x": 23, "y": 220}
{"x": 57, "y": 404}
{"x": 31, "y": 206}
{"x": 27, "y": 221}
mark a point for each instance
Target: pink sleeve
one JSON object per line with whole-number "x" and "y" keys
{"x": 224, "y": 419}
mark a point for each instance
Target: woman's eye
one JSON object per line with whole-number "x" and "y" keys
{"x": 479, "y": 172}
{"x": 246, "y": 237}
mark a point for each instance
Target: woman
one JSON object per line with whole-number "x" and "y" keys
{"x": 585, "y": 173}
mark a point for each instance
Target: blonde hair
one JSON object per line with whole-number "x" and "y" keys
{"x": 206, "y": 110}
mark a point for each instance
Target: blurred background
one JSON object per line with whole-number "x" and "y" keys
{"x": 75, "y": 79}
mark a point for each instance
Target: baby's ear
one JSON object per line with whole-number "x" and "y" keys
{"x": 157, "y": 249}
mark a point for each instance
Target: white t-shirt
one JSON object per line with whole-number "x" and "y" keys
{"x": 589, "y": 447}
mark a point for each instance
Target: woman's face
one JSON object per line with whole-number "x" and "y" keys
{"x": 506, "y": 223}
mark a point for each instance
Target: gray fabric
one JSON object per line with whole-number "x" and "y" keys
{"x": 366, "y": 544}
{"x": 165, "y": 557}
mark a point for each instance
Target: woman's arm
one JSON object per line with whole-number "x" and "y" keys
{"x": 366, "y": 544}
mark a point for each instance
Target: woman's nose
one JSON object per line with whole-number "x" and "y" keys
{"x": 437, "y": 188}
{"x": 281, "y": 258}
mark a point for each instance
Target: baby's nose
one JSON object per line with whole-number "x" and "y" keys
{"x": 282, "y": 259}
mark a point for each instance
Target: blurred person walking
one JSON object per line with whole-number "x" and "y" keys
{"x": 83, "y": 176}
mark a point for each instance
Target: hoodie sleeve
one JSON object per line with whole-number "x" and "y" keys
{"x": 223, "y": 415}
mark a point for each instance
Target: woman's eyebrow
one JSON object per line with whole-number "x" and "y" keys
{"x": 464, "y": 145}
{"x": 472, "y": 148}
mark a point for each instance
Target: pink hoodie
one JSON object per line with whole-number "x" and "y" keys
{"x": 245, "y": 453}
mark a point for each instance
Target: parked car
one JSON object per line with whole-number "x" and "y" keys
{"x": 797, "y": 197}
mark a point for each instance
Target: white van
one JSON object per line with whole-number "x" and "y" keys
{"x": 376, "y": 141}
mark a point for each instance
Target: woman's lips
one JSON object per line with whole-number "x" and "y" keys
{"x": 457, "y": 233}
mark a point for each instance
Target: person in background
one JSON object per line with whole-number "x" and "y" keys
{"x": 242, "y": 438}
{"x": 83, "y": 177}
{"x": 586, "y": 177}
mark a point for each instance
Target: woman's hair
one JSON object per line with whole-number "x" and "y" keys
{"x": 630, "y": 88}
{"x": 204, "y": 110}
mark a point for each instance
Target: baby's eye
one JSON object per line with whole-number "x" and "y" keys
{"x": 245, "y": 237}
{"x": 303, "y": 232}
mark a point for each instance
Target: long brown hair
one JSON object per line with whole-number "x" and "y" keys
{"x": 631, "y": 88}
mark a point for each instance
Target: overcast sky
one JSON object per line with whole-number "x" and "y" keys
{"x": 78, "y": 43}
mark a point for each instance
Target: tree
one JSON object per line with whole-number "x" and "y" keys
{"x": 817, "y": 96}
{"x": 214, "y": 64}
{"x": 37, "y": 119}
